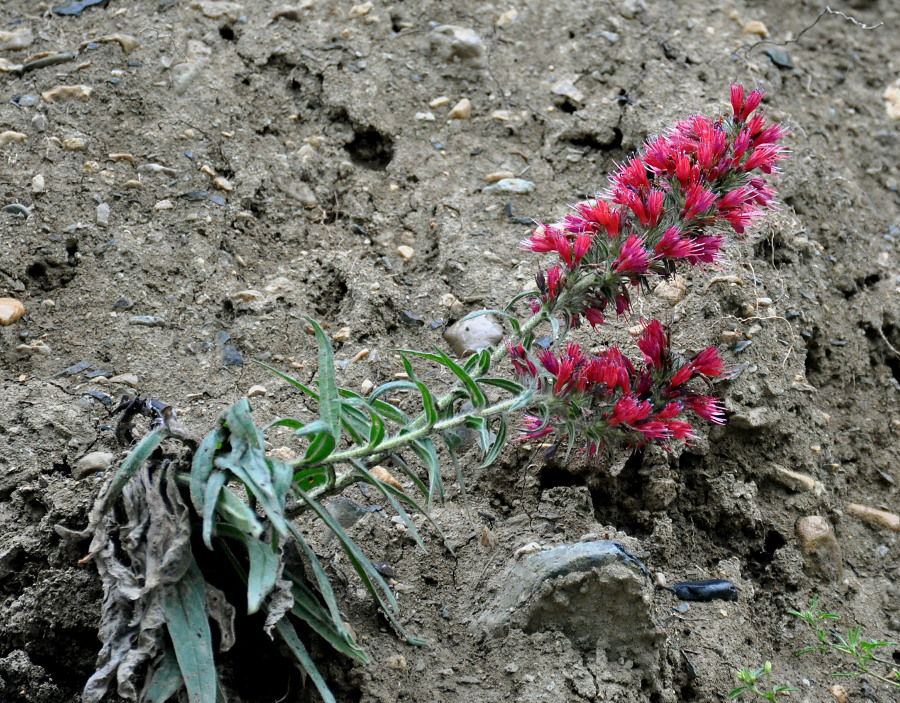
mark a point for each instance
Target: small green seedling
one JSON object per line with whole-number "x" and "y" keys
{"x": 749, "y": 679}
{"x": 861, "y": 650}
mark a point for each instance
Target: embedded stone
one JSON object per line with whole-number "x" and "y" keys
{"x": 820, "y": 547}
{"x": 10, "y": 310}
{"x": 469, "y": 336}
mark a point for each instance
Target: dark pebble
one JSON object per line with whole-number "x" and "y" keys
{"x": 743, "y": 344}
{"x": 74, "y": 7}
{"x": 123, "y": 304}
{"x": 99, "y": 372}
{"x": 195, "y": 195}
{"x": 102, "y": 397}
{"x": 779, "y": 58}
{"x": 217, "y": 199}
{"x": 76, "y": 368}
{"x": 410, "y": 318}
{"x": 147, "y": 321}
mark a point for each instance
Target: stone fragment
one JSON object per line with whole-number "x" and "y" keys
{"x": 229, "y": 11}
{"x": 565, "y": 87}
{"x": 839, "y": 692}
{"x": 223, "y": 183}
{"x": 73, "y": 144}
{"x": 873, "y": 516}
{"x": 397, "y": 662}
{"x": 439, "y": 101}
{"x": 796, "y": 481}
{"x": 462, "y": 43}
{"x": 672, "y": 291}
{"x": 247, "y": 296}
{"x": 366, "y": 387}
{"x": 103, "y": 215}
{"x": 751, "y": 419}
{"x": 36, "y": 347}
{"x": 342, "y": 335}
{"x": 164, "y": 205}
{"x": 406, "y": 252}
{"x": 360, "y": 10}
{"x": 518, "y": 186}
{"x": 8, "y": 137}
{"x": 891, "y": 99}
{"x": 16, "y": 40}
{"x": 820, "y": 547}
{"x": 468, "y": 336}
{"x": 126, "y": 41}
{"x": 8, "y": 66}
{"x": 10, "y": 310}
{"x": 120, "y": 156}
{"x": 385, "y": 476}
{"x": 756, "y": 27}
{"x": 37, "y": 184}
{"x": 495, "y": 176}
{"x": 507, "y": 18}
{"x": 257, "y": 390}
{"x": 68, "y": 92}
{"x": 91, "y": 464}
{"x": 425, "y": 116}
{"x": 127, "y": 379}
{"x": 292, "y": 12}
{"x": 462, "y": 110}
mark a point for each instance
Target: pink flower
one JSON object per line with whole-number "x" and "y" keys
{"x": 633, "y": 258}
{"x": 593, "y": 316}
{"x": 520, "y": 361}
{"x": 654, "y": 343}
{"x": 670, "y": 411}
{"x": 698, "y": 199}
{"x": 549, "y": 361}
{"x": 632, "y": 175}
{"x": 708, "y": 408}
{"x": 737, "y": 100}
{"x": 709, "y": 363}
{"x": 580, "y": 248}
{"x": 534, "y": 428}
{"x": 629, "y": 410}
{"x": 674, "y": 246}
{"x": 554, "y": 276}
{"x": 599, "y": 214}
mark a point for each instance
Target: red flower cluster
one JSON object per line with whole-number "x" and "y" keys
{"x": 604, "y": 397}
{"x": 665, "y": 205}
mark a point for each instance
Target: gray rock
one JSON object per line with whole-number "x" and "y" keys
{"x": 468, "y": 336}
{"x": 564, "y": 587}
{"x": 820, "y": 547}
{"x": 449, "y": 41}
{"x": 103, "y": 215}
{"x": 91, "y": 463}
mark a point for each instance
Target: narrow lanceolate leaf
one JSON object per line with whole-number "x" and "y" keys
{"x": 376, "y": 431}
{"x": 293, "y": 381}
{"x": 188, "y": 624}
{"x": 321, "y": 578}
{"x": 213, "y": 487}
{"x": 505, "y": 384}
{"x": 476, "y": 395}
{"x": 397, "y": 460}
{"x": 364, "y": 568}
{"x": 392, "y": 494}
{"x": 480, "y": 424}
{"x": 287, "y": 633}
{"x": 424, "y": 449}
{"x": 431, "y": 412}
{"x": 202, "y": 466}
{"x": 452, "y": 440}
{"x": 308, "y": 608}
{"x": 329, "y": 402}
{"x": 478, "y": 364}
{"x": 497, "y": 445}
{"x": 237, "y": 513}
{"x": 263, "y": 572}
{"x": 131, "y": 464}
{"x": 520, "y": 296}
{"x": 165, "y": 680}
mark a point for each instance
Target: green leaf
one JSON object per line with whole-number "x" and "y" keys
{"x": 319, "y": 448}
{"x": 329, "y": 402}
{"x": 424, "y": 449}
{"x": 315, "y": 476}
{"x": 241, "y": 425}
{"x": 364, "y": 568}
{"x": 188, "y": 624}
{"x": 497, "y": 446}
{"x": 212, "y": 489}
{"x": 391, "y": 386}
{"x": 526, "y": 294}
{"x": 480, "y": 424}
{"x": 289, "y": 635}
{"x": 475, "y": 394}
{"x": 451, "y": 439}
{"x": 202, "y": 466}
{"x": 321, "y": 577}
{"x": 307, "y": 608}
{"x": 737, "y": 691}
{"x": 505, "y": 384}
{"x": 293, "y": 381}
{"x": 237, "y": 513}
{"x": 391, "y": 493}
{"x": 376, "y": 431}
{"x": 285, "y": 422}
{"x": 431, "y": 413}
{"x": 397, "y": 460}
{"x": 165, "y": 680}
{"x": 263, "y": 573}
{"x": 131, "y": 464}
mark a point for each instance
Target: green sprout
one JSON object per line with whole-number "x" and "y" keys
{"x": 862, "y": 651}
{"x": 749, "y": 680}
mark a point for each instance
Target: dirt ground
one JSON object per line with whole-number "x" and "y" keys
{"x": 228, "y": 169}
